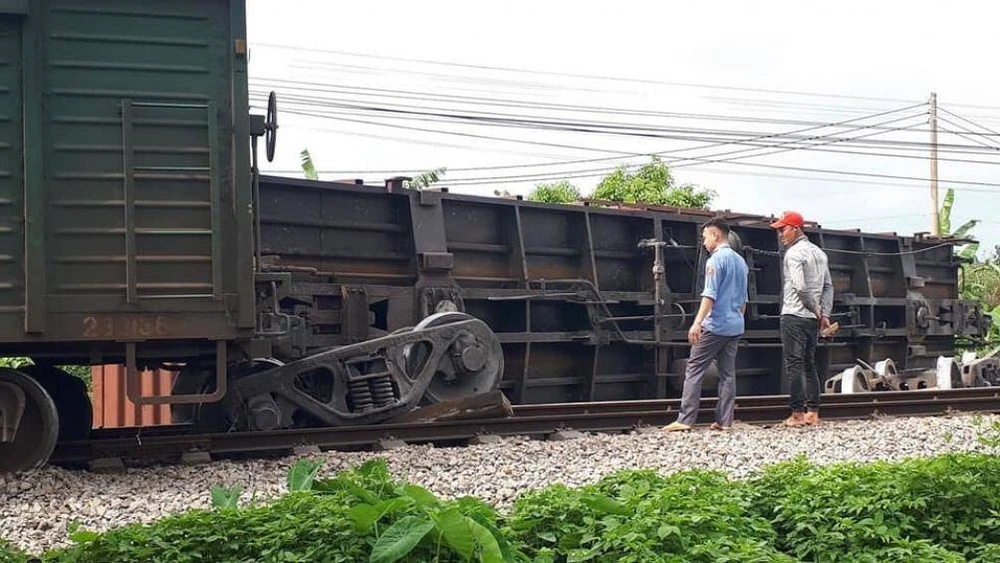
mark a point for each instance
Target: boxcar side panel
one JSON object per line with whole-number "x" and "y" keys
{"x": 130, "y": 142}
{"x": 11, "y": 170}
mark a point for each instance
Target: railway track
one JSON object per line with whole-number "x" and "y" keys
{"x": 120, "y": 447}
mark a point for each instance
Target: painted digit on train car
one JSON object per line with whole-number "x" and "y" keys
{"x": 124, "y": 327}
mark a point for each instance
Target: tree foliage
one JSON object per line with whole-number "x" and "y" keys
{"x": 944, "y": 226}
{"x": 652, "y": 184}
{"x": 555, "y": 192}
{"x": 979, "y": 281}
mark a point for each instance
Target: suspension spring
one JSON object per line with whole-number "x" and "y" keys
{"x": 360, "y": 395}
{"x": 383, "y": 392}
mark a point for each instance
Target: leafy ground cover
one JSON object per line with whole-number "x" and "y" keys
{"x": 945, "y": 508}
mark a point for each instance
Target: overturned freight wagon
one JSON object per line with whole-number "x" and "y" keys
{"x": 572, "y": 291}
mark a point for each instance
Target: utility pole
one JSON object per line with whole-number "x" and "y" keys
{"x": 936, "y": 226}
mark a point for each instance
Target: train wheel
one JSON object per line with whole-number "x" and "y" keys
{"x": 191, "y": 379}
{"x": 472, "y": 365}
{"x": 261, "y": 412}
{"x": 224, "y": 416}
{"x": 198, "y": 378}
{"x": 28, "y": 407}
{"x": 76, "y": 412}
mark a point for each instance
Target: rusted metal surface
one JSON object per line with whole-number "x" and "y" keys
{"x": 526, "y": 420}
{"x": 112, "y": 407}
{"x": 591, "y": 302}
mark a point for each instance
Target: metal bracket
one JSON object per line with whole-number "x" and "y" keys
{"x": 133, "y": 386}
{"x": 442, "y": 261}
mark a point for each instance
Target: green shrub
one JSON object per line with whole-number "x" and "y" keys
{"x": 360, "y": 515}
{"x": 555, "y": 192}
{"x": 827, "y": 513}
{"x": 11, "y": 554}
{"x": 640, "y": 516}
{"x": 942, "y": 509}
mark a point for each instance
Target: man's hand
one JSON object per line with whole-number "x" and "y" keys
{"x": 694, "y": 333}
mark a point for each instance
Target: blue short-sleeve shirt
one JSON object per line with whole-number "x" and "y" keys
{"x": 726, "y": 285}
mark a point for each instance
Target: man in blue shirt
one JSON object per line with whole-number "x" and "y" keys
{"x": 716, "y": 330}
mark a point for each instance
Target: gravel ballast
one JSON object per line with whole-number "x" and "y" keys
{"x": 37, "y": 507}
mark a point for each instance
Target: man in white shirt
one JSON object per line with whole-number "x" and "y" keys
{"x": 807, "y": 298}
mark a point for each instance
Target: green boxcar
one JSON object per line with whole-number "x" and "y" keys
{"x": 124, "y": 174}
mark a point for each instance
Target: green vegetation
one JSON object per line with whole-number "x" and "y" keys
{"x": 979, "y": 280}
{"x": 425, "y": 179}
{"x": 945, "y": 508}
{"x": 968, "y": 251}
{"x": 10, "y": 554}
{"x": 308, "y": 167}
{"x": 651, "y": 184}
{"x": 555, "y": 192}
{"x": 360, "y": 515}
{"x": 418, "y": 182}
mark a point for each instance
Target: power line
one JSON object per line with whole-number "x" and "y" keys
{"x": 629, "y": 154}
{"x": 805, "y": 147}
{"x": 467, "y": 135}
{"x": 422, "y": 142}
{"x": 602, "y": 171}
{"x": 537, "y": 122}
{"x": 811, "y": 178}
{"x": 755, "y": 146}
{"x": 318, "y": 87}
{"x": 861, "y": 219}
{"x": 685, "y": 136}
{"x": 685, "y": 133}
{"x": 582, "y": 76}
{"x": 902, "y": 253}
{"x": 594, "y": 172}
{"x": 977, "y": 141}
{"x": 700, "y": 170}
{"x": 662, "y": 153}
{"x": 953, "y": 114}
{"x": 991, "y": 143}
{"x": 601, "y": 77}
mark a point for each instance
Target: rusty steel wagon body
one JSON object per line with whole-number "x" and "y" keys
{"x": 571, "y": 290}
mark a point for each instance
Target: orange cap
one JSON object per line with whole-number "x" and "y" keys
{"x": 789, "y": 219}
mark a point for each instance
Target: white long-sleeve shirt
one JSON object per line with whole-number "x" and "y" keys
{"x": 807, "y": 280}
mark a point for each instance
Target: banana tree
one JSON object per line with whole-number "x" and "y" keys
{"x": 944, "y": 225}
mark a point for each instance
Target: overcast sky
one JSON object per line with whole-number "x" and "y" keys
{"x": 337, "y": 67}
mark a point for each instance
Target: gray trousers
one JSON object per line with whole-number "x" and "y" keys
{"x": 723, "y": 350}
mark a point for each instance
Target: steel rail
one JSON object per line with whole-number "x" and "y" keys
{"x": 528, "y": 420}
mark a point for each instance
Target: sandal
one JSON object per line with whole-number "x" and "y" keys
{"x": 676, "y": 427}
